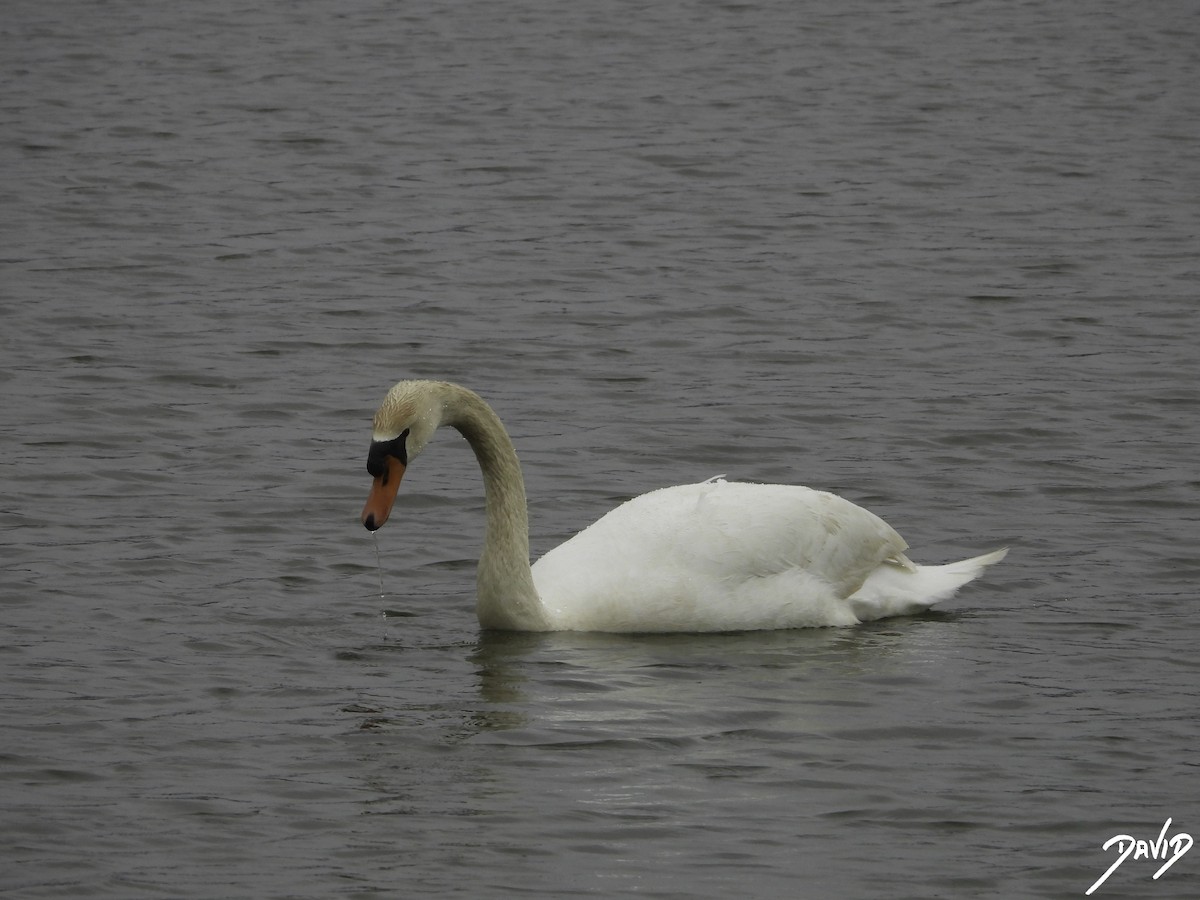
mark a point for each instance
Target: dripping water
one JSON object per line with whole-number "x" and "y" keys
{"x": 378, "y": 563}
{"x": 383, "y": 613}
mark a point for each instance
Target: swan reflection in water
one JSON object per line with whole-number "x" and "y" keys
{"x": 534, "y": 687}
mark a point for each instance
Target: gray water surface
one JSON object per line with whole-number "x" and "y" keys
{"x": 941, "y": 258}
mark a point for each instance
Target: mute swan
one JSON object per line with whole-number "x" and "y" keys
{"x": 714, "y": 556}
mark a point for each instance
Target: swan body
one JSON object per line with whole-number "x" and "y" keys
{"x": 714, "y": 556}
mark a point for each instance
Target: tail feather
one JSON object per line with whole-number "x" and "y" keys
{"x": 894, "y": 591}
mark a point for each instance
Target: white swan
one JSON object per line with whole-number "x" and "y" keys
{"x": 715, "y": 556}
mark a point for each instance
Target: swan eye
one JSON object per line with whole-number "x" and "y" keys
{"x": 381, "y": 450}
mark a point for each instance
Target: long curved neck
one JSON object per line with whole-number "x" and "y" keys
{"x": 507, "y": 598}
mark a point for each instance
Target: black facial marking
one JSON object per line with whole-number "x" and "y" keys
{"x": 381, "y": 450}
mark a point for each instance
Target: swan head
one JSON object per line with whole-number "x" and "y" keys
{"x": 405, "y": 421}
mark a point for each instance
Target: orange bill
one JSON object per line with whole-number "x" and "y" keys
{"x": 383, "y": 495}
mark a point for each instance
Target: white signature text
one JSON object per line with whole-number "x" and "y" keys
{"x": 1178, "y": 844}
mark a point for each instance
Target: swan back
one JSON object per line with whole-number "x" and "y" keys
{"x": 717, "y": 556}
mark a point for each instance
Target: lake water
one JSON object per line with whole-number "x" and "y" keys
{"x": 940, "y": 257}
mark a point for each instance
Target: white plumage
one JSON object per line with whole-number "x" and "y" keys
{"x": 728, "y": 556}
{"x": 714, "y": 556}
